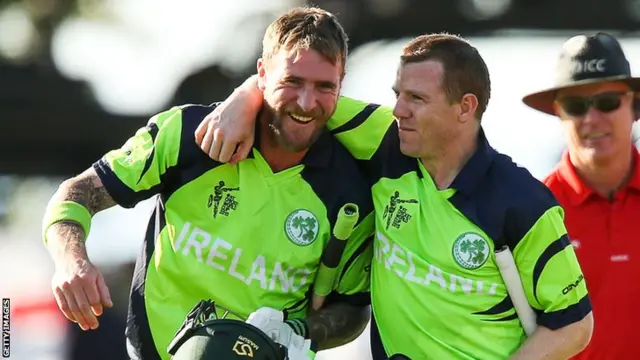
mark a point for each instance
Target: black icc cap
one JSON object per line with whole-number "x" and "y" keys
{"x": 585, "y": 59}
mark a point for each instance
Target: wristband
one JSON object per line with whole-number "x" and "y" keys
{"x": 66, "y": 211}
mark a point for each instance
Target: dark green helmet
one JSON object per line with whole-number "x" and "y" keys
{"x": 204, "y": 336}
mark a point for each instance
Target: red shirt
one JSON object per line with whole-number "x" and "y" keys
{"x": 606, "y": 237}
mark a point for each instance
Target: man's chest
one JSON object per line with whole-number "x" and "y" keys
{"x": 239, "y": 218}
{"x": 605, "y": 239}
{"x": 418, "y": 230}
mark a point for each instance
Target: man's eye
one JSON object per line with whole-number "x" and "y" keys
{"x": 292, "y": 81}
{"x": 327, "y": 87}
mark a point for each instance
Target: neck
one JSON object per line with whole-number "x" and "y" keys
{"x": 607, "y": 177}
{"x": 445, "y": 166}
{"x": 277, "y": 156}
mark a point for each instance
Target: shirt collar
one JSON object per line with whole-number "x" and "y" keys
{"x": 476, "y": 168}
{"x": 567, "y": 172}
{"x": 581, "y": 191}
{"x": 321, "y": 151}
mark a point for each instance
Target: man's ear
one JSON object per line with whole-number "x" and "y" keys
{"x": 468, "y": 107}
{"x": 262, "y": 74}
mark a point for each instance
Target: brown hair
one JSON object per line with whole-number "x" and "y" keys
{"x": 465, "y": 72}
{"x": 304, "y": 28}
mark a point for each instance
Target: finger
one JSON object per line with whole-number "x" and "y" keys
{"x": 201, "y": 130}
{"x": 73, "y": 308}
{"x": 105, "y": 296}
{"x": 63, "y": 305}
{"x": 317, "y": 301}
{"x": 227, "y": 150}
{"x": 89, "y": 321}
{"x": 214, "y": 152}
{"x": 207, "y": 140}
{"x": 91, "y": 291}
{"x": 242, "y": 152}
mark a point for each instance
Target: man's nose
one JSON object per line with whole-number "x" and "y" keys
{"x": 307, "y": 98}
{"x": 400, "y": 110}
{"x": 593, "y": 116}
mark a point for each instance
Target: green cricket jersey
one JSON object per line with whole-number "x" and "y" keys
{"x": 436, "y": 289}
{"x": 241, "y": 235}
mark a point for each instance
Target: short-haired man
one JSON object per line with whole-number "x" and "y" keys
{"x": 248, "y": 236}
{"x": 445, "y": 200}
{"x": 597, "y": 181}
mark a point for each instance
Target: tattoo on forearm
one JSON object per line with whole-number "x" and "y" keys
{"x": 70, "y": 237}
{"x": 67, "y": 237}
{"x": 86, "y": 189}
{"x": 337, "y": 324}
{"x": 68, "y": 230}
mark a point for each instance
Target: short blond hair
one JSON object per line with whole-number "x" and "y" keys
{"x": 307, "y": 28}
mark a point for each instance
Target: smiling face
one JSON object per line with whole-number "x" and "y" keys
{"x": 301, "y": 91}
{"x": 600, "y": 134}
{"x": 300, "y": 72}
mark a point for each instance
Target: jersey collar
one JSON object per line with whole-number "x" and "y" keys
{"x": 579, "y": 191}
{"x": 320, "y": 153}
{"x": 476, "y": 168}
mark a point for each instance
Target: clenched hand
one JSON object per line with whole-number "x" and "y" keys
{"x": 81, "y": 292}
{"x": 227, "y": 134}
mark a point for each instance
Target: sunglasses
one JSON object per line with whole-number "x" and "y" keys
{"x": 604, "y": 102}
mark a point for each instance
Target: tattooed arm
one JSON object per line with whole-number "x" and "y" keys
{"x": 337, "y": 324}
{"x": 78, "y": 286}
{"x": 67, "y": 238}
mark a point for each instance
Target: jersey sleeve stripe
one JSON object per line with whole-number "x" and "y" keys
{"x": 357, "y": 120}
{"x": 346, "y": 109}
{"x": 135, "y": 171}
{"x": 560, "y": 318}
{"x": 554, "y": 248}
{"x": 153, "y": 131}
{"x": 506, "y": 318}
{"x": 119, "y": 192}
{"x": 365, "y": 140}
{"x": 368, "y": 242}
{"x": 502, "y": 307}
